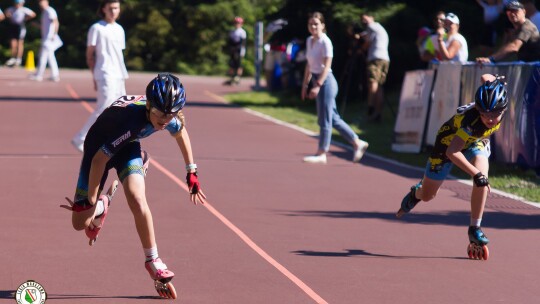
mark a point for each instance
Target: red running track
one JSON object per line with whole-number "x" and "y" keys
{"x": 275, "y": 230}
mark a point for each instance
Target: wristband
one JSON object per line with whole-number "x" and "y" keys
{"x": 491, "y": 59}
{"x": 191, "y": 167}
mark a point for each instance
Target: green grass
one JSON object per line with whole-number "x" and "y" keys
{"x": 290, "y": 108}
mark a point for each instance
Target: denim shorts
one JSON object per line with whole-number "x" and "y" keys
{"x": 440, "y": 172}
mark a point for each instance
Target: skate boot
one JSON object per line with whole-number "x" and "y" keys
{"x": 92, "y": 231}
{"x": 146, "y": 161}
{"x": 409, "y": 201}
{"x": 162, "y": 278}
{"x": 477, "y": 248}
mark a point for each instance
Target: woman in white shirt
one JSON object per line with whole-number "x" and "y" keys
{"x": 455, "y": 47}
{"x": 318, "y": 72}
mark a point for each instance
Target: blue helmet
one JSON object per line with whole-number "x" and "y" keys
{"x": 166, "y": 93}
{"x": 491, "y": 97}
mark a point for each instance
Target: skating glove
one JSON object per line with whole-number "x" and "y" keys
{"x": 193, "y": 183}
{"x": 480, "y": 180}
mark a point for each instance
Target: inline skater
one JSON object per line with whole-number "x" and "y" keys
{"x": 113, "y": 141}
{"x": 464, "y": 141}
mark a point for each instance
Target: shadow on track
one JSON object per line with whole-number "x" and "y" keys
{"x": 404, "y": 171}
{"x": 358, "y": 252}
{"x": 71, "y": 297}
{"x": 496, "y": 220}
{"x": 10, "y": 294}
{"x": 7, "y": 294}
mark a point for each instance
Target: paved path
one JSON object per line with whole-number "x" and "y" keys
{"x": 275, "y": 230}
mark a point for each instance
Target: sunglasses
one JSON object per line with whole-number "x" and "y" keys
{"x": 161, "y": 115}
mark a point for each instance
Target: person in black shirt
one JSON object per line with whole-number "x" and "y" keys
{"x": 524, "y": 40}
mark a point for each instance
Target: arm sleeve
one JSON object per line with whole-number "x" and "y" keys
{"x": 92, "y": 36}
{"x": 328, "y": 48}
{"x": 524, "y": 34}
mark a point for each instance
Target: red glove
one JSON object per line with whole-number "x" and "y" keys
{"x": 193, "y": 183}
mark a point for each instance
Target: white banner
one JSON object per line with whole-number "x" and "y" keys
{"x": 413, "y": 104}
{"x": 445, "y": 98}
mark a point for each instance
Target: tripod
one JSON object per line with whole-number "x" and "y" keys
{"x": 346, "y": 77}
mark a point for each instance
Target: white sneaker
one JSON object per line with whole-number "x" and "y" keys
{"x": 360, "y": 150}
{"x": 18, "y": 62}
{"x": 316, "y": 159}
{"x": 54, "y": 78}
{"x": 11, "y": 62}
{"x": 77, "y": 145}
{"x": 35, "y": 77}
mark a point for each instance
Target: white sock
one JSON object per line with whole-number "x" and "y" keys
{"x": 99, "y": 208}
{"x": 476, "y": 222}
{"x": 150, "y": 253}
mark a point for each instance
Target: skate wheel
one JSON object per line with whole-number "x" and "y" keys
{"x": 165, "y": 290}
{"x": 485, "y": 253}
{"x": 470, "y": 251}
{"x": 477, "y": 252}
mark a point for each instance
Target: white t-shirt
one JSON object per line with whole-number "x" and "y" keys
{"x": 109, "y": 40}
{"x": 317, "y": 51}
{"x": 463, "y": 52}
{"x": 378, "y": 38}
{"x": 238, "y": 35}
{"x": 19, "y": 14}
{"x": 47, "y": 26}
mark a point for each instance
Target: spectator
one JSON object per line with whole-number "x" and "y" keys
{"x": 324, "y": 88}
{"x": 295, "y": 63}
{"x": 492, "y": 10}
{"x": 2, "y": 16}
{"x": 17, "y": 14}
{"x": 378, "y": 62}
{"x": 531, "y": 12}
{"x": 455, "y": 47}
{"x": 422, "y": 36}
{"x": 524, "y": 39}
{"x": 275, "y": 57}
{"x": 431, "y": 47}
{"x": 237, "y": 50}
{"x": 50, "y": 42}
{"x": 104, "y": 57}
